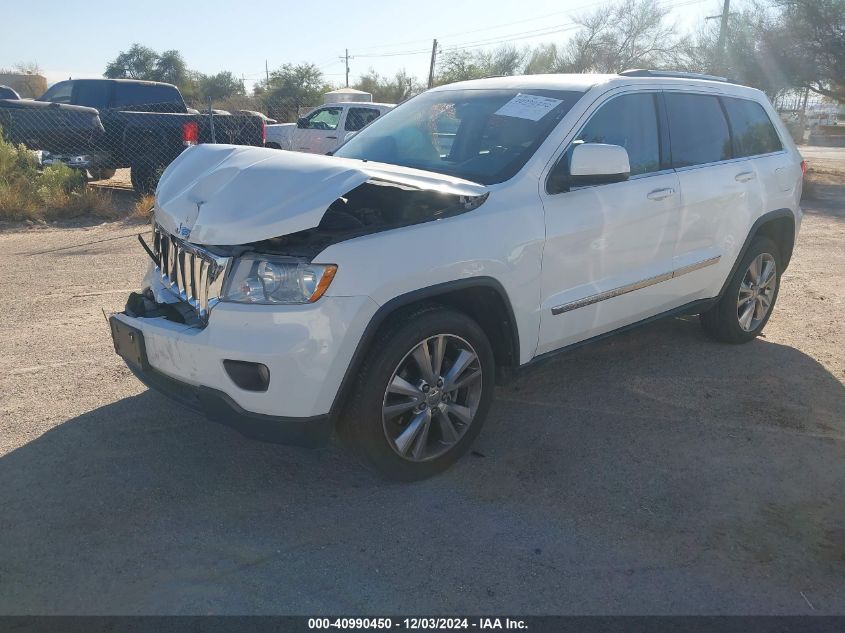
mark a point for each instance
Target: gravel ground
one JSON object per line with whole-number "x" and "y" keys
{"x": 653, "y": 473}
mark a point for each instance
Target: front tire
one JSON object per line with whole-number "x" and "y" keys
{"x": 144, "y": 175}
{"x": 748, "y": 301}
{"x": 422, "y": 394}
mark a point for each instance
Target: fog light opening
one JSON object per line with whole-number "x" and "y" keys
{"x": 248, "y": 376}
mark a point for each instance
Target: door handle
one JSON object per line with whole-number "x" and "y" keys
{"x": 660, "y": 194}
{"x": 745, "y": 176}
{"x": 332, "y": 137}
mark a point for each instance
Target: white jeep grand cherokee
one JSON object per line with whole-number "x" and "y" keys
{"x": 475, "y": 229}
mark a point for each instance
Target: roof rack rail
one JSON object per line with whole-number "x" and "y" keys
{"x": 640, "y": 72}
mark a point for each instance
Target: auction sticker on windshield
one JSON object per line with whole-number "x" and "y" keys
{"x": 531, "y": 107}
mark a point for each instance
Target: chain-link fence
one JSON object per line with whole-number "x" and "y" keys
{"x": 121, "y": 134}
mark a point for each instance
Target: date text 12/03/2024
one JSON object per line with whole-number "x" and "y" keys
{"x": 417, "y": 623}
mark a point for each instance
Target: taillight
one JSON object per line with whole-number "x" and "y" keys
{"x": 803, "y": 167}
{"x": 190, "y": 133}
{"x": 263, "y": 132}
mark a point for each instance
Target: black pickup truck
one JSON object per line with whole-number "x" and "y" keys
{"x": 100, "y": 125}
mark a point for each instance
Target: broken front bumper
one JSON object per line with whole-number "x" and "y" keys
{"x": 219, "y": 407}
{"x": 306, "y": 350}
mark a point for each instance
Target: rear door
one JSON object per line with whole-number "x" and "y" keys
{"x": 756, "y": 138}
{"x": 609, "y": 247}
{"x": 720, "y": 193}
{"x": 356, "y": 118}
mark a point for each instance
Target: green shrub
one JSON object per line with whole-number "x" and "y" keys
{"x": 27, "y": 193}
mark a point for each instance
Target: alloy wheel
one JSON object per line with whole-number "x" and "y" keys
{"x": 432, "y": 397}
{"x": 756, "y": 292}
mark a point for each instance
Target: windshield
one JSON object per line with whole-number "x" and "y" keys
{"x": 481, "y": 135}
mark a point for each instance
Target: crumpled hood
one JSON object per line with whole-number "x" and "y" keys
{"x": 231, "y": 194}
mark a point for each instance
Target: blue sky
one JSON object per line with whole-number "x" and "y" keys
{"x": 77, "y": 39}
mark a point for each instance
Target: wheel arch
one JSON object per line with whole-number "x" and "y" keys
{"x": 483, "y": 299}
{"x": 778, "y": 226}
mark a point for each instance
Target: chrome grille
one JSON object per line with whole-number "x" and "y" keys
{"x": 193, "y": 273}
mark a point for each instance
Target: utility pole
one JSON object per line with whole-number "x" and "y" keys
{"x": 723, "y": 34}
{"x": 346, "y": 58}
{"x": 431, "y": 67}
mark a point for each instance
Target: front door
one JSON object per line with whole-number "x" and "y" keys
{"x": 320, "y": 132}
{"x": 609, "y": 247}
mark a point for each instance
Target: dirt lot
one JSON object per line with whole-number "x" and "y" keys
{"x": 656, "y": 472}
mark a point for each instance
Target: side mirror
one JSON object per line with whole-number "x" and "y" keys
{"x": 301, "y": 123}
{"x": 598, "y": 164}
{"x": 591, "y": 164}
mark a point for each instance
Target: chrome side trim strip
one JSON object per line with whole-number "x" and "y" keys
{"x": 639, "y": 285}
{"x": 696, "y": 266}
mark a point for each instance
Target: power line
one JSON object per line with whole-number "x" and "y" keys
{"x": 415, "y": 51}
{"x": 511, "y": 37}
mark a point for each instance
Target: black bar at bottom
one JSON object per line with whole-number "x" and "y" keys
{"x": 534, "y": 624}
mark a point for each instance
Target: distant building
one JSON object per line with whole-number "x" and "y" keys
{"x": 27, "y": 85}
{"x": 342, "y": 95}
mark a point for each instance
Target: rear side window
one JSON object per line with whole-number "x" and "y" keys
{"x": 698, "y": 131}
{"x": 631, "y": 122}
{"x": 753, "y": 132}
{"x": 357, "y": 118}
{"x": 94, "y": 94}
{"x": 142, "y": 97}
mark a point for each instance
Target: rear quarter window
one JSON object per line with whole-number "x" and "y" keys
{"x": 147, "y": 98}
{"x": 753, "y": 131}
{"x": 94, "y": 94}
{"x": 698, "y": 130}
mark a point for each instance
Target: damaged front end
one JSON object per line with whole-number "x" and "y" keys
{"x": 184, "y": 283}
{"x": 220, "y": 206}
{"x": 372, "y": 207}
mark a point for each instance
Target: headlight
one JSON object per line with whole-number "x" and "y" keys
{"x": 274, "y": 280}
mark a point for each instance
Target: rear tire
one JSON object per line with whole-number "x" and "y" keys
{"x": 749, "y": 299}
{"x": 407, "y": 422}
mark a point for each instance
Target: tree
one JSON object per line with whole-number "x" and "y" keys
{"x": 139, "y": 62}
{"x": 543, "y": 59}
{"x": 142, "y": 62}
{"x": 220, "y": 86}
{"x": 389, "y": 90}
{"x": 808, "y": 44}
{"x": 630, "y": 34}
{"x": 292, "y": 87}
{"x": 748, "y": 57}
{"x": 461, "y": 64}
{"x": 171, "y": 68}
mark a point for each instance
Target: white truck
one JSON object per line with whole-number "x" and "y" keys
{"x": 325, "y": 128}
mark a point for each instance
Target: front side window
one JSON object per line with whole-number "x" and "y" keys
{"x": 753, "y": 132}
{"x": 324, "y": 119}
{"x": 698, "y": 131}
{"x": 629, "y": 121}
{"x": 481, "y": 135}
{"x": 59, "y": 93}
{"x": 357, "y": 118}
